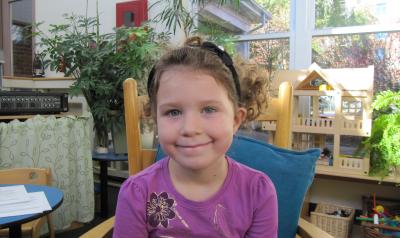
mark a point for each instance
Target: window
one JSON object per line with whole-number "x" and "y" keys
{"x": 343, "y": 33}
{"x": 380, "y": 9}
{"x": 338, "y": 13}
{"x": 317, "y": 82}
{"x": 280, "y": 16}
{"x": 349, "y": 146}
{"x": 361, "y": 50}
{"x": 352, "y": 107}
{"x": 22, "y": 49}
{"x": 326, "y": 106}
{"x": 272, "y": 54}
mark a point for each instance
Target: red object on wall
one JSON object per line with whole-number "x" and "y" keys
{"x": 131, "y": 13}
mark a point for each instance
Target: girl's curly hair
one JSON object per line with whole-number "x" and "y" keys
{"x": 253, "y": 80}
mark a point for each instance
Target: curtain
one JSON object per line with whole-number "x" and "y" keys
{"x": 64, "y": 144}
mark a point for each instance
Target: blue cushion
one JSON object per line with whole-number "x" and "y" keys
{"x": 292, "y": 172}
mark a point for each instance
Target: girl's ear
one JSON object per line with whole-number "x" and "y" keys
{"x": 240, "y": 116}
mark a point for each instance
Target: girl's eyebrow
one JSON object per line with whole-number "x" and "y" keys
{"x": 177, "y": 104}
{"x": 168, "y": 104}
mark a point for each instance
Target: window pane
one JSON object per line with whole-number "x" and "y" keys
{"x": 21, "y": 12}
{"x": 251, "y": 17}
{"x": 326, "y": 106}
{"x": 272, "y": 54}
{"x": 349, "y": 146}
{"x": 351, "y": 51}
{"x": 22, "y": 50}
{"x": 280, "y": 16}
{"x": 336, "y": 13}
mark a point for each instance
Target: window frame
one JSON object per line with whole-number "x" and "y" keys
{"x": 302, "y": 30}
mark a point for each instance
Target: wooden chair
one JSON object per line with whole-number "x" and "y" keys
{"x": 279, "y": 110}
{"x": 37, "y": 176}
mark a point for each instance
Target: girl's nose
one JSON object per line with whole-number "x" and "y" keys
{"x": 191, "y": 124}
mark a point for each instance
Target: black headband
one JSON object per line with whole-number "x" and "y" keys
{"x": 226, "y": 59}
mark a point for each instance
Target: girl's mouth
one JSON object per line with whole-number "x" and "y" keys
{"x": 193, "y": 146}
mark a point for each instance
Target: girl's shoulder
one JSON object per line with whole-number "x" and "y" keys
{"x": 152, "y": 173}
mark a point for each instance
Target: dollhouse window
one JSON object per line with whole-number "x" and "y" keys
{"x": 317, "y": 82}
{"x": 353, "y": 107}
{"x": 326, "y": 105}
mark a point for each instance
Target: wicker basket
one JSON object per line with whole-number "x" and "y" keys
{"x": 339, "y": 227}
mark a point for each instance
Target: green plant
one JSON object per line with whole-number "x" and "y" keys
{"x": 100, "y": 63}
{"x": 383, "y": 145}
{"x": 215, "y": 33}
{"x": 175, "y": 15}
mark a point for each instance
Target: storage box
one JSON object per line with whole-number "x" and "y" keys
{"x": 337, "y": 226}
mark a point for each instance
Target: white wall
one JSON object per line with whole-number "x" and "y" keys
{"x": 51, "y": 11}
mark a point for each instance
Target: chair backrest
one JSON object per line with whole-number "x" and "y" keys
{"x": 37, "y": 176}
{"x": 138, "y": 158}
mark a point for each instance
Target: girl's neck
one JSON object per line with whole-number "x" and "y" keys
{"x": 198, "y": 185}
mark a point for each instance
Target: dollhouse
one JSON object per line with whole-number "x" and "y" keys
{"x": 332, "y": 111}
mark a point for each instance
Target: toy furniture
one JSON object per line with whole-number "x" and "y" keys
{"x": 332, "y": 111}
{"x": 292, "y": 172}
{"x": 36, "y": 176}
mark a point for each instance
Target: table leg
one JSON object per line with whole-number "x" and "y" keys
{"x": 15, "y": 231}
{"x": 104, "y": 190}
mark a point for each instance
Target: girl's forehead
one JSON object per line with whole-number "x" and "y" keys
{"x": 185, "y": 69}
{"x": 180, "y": 78}
{"x": 190, "y": 84}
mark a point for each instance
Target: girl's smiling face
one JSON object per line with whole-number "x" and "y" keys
{"x": 195, "y": 118}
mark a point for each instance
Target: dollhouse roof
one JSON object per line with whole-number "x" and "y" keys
{"x": 343, "y": 79}
{"x": 316, "y": 72}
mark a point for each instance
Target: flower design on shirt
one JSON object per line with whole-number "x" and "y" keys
{"x": 159, "y": 209}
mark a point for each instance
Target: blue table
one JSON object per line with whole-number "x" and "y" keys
{"x": 53, "y": 195}
{"x": 104, "y": 159}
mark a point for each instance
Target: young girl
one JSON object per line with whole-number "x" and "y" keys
{"x": 197, "y": 191}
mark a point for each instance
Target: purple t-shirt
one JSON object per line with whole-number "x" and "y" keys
{"x": 149, "y": 206}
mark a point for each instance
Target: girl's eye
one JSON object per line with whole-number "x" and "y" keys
{"x": 209, "y": 110}
{"x": 173, "y": 113}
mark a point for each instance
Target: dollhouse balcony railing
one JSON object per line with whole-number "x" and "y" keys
{"x": 314, "y": 125}
{"x": 331, "y": 126}
{"x": 268, "y": 125}
{"x": 315, "y": 122}
{"x": 356, "y": 127}
{"x": 361, "y": 165}
{"x": 326, "y": 126}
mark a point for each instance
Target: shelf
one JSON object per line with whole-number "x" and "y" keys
{"x": 329, "y": 171}
{"x": 12, "y": 117}
{"x": 44, "y": 83}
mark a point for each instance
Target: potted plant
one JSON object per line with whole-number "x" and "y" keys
{"x": 383, "y": 145}
{"x": 100, "y": 63}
